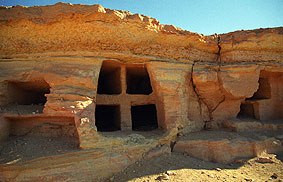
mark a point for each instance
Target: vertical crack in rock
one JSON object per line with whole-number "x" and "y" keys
{"x": 195, "y": 91}
{"x": 194, "y": 86}
{"x": 218, "y": 61}
{"x": 208, "y": 124}
{"x": 217, "y": 105}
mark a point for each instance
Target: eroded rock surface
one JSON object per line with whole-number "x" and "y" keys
{"x": 226, "y": 147}
{"x": 125, "y": 86}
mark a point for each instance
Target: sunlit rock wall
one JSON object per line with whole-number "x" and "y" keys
{"x": 57, "y": 52}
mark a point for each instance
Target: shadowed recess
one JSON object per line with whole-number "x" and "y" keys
{"x": 144, "y": 117}
{"x": 264, "y": 89}
{"x": 138, "y": 81}
{"x": 109, "y": 78}
{"x": 107, "y": 118}
{"x": 247, "y": 111}
{"x": 28, "y": 93}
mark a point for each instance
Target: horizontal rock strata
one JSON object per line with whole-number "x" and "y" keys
{"x": 225, "y": 147}
{"x": 125, "y": 86}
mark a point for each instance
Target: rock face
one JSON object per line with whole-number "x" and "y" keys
{"x": 226, "y": 147}
{"x": 90, "y": 72}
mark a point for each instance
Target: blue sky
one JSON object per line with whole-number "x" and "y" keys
{"x": 201, "y": 16}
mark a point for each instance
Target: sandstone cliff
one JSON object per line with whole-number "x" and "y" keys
{"x": 79, "y": 61}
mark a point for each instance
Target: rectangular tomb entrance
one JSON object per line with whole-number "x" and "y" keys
{"x": 109, "y": 78}
{"x": 138, "y": 81}
{"x": 26, "y": 131}
{"x": 265, "y": 104}
{"x": 144, "y": 117}
{"x": 27, "y": 97}
{"x": 107, "y": 118}
{"x": 248, "y": 110}
{"x": 134, "y": 108}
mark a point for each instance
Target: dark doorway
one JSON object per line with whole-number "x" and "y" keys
{"x": 107, "y": 118}
{"x": 138, "y": 81}
{"x": 28, "y": 93}
{"x": 144, "y": 118}
{"x": 109, "y": 81}
{"x": 263, "y": 91}
{"x": 27, "y": 97}
{"x": 246, "y": 111}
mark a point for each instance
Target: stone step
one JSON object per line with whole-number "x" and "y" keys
{"x": 225, "y": 147}
{"x": 248, "y": 125}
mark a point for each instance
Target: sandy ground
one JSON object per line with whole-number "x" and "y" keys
{"x": 22, "y": 109}
{"x": 174, "y": 167}
{"x": 183, "y": 168}
{"x": 24, "y": 148}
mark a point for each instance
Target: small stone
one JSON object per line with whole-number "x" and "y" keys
{"x": 249, "y": 179}
{"x": 264, "y": 160}
{"x": 170, "y": 173}
{"x": 210, "y": 175}
{"x": 234, "y": 176}
{"x": 218, "y": 169}
{"x": 202, "y": 172}
{"x": 164, "y": 177}
{"x": 274, "y": 176}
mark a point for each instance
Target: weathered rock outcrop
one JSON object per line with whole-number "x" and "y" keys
{"x": 76, "y": 70}
{"x": 226, "y": 147}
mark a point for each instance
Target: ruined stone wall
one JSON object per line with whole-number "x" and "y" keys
{"x": 58, "y": 52}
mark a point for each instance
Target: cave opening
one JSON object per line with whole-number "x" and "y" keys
{"x": 109, "y": 81}
{"x": 138, "y": 81}
{"x": 247, "y": 110}
{"x": 107, "y": 118}
{"x": 263, "y": 91}
{"x": 31, "y": 93}
{"x": 144, "y": 117}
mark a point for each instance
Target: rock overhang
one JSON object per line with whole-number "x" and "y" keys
{"x": 198, "y": 81}
{"x": 95, "y": 28}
